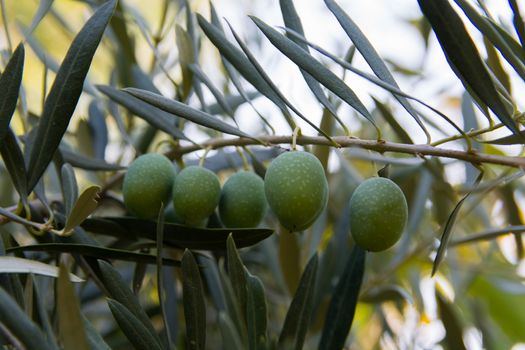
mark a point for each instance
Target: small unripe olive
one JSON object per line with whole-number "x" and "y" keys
{"x": 242, "y": 202}
{"x": 196, "y": 192}
{"x": 147, "y": 183}
{"x": 378, "y": 214}
{"x": 296, "y": 189}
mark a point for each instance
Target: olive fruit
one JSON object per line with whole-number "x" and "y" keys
{"x": 242, "y": 202}
{"x": 378, "y": 214}
{"x": 296, "y": 189}
{"x": 147, "y": 183}
{"x": 196, "y": 192}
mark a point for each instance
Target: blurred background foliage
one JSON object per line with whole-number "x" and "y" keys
{"x": 476, "y": 297}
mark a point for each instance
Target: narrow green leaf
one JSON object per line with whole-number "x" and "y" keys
{"x": 236, "y": 272}
{"x": 256, "y": 314}
{"x": 153, "y": 115}
{"x": 271, "y": 84}
{"x": 95, "y": 252}
{"x": 198, "y": 72}
{"x": 98, "y": 129}
{"x": 517, "y": 20}
{"x": 487, "y": 28}
{"x": 186, "y": 112}
{"x": 488, "y": 235}
{"x": 160, "y": 280}
{"x": 391, "y": 120}
{"x": 230, "y": 335}
{"x": 194, "y": 303}
{"x": 453, "y": 330}
{"x": 505, "y": 140}
{"x": 14, "y": 163}
{"x": 70, "y": 323}
{"x": 175, "y": 235}
{"x": 464, "y": 58}
{"x": 84, "y": 206}
{"x": 185, "y": 49}
{"x": 65, "y": 92}
{"x": 447, "y": 231}
{"x": 69, "y": 187}
{"x": 344, "y": 301}
{"x": 293, "y": 21}
{"x": 298, "y": 316}
{"x": 371, "y": 56}
{"x": 233, "y": 307}
{"x": 79, "y": 161}
{"x": 43, "y": 8}
{"x": 10, "y": 264}
{"x": 290, "y": 259}
{"x": 322, "y": 74}
{"x": 19, "y": 324}
{"x": 233, "y": 101}
{"x": 95, "y": 340}
{"x": 138, "y": 335}
{"x": 10, "y": 82}
{"x": 118, "y": 290}
{"x": 238, "y": 60}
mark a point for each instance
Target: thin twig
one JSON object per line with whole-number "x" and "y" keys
{"x": 374, "y": 145}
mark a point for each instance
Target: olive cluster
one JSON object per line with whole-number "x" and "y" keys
{"x": 295, "y": 188}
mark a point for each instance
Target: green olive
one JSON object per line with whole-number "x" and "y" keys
{"x": 147, "y": 184}
{"x": 378, "y": 214}
{"x": 296, "y": 189}
{"x": 196, "y": 193}
{"x": 242, "y": 202}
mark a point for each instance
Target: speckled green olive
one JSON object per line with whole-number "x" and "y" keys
{"x": 196, "y": 193}
{"x": 378, "y": 214}
{"x": 296, "y": 189}
{"x": 242, "y": 203}
{"x": 147, "y": 183}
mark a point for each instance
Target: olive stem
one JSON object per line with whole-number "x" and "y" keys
{"x": 345, "y": 142}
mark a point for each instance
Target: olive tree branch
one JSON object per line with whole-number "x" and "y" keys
{"x": 345, "y": 142}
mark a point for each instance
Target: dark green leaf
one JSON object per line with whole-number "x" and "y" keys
{"x": 98, "y": 130}
{"x": 517, "y": 20}
{"x": 391, "y": 120}
{"x": 230, "y": 335}
{"x": 371, "y": 56}
{"x": 153, "y": 115}
{"x": 186, "y": 112}
{"x": 10, "y": 82}
{"x": 19, "y": 324}
{"x": 197, "y": 71}
{"x": 135, "y": 331}
{"x": 298, "y": 316}
{"x": 235, "y": 314}
{"x": 293, "y": 21}
{"x": 344, "y": 301}
{"x": 160, "y": 280}
{"x": 233, "y": 101}
{"x": 238, "y": 60}
{"x": 65, "y": 92}
{"x": 94, "y": 251}
{"x": 447, "y": 231}
{"x": 174, "y": 234}
{"x": 506, "y": 140}
{"x": 79, "y": 161}
{"x": 118, "y": 290}
{"x": 14, "y": 162}
{"x": 256, "y": 314}
{"x": 69, "y": 187}
{"x": 464, "y": 58}
{"x": 454, "y": 332}
{"x": 70, "y": 323}
{"x": 322, "y": 74}
{"x": 236, "y": 272}
{"x": 194, "y": 303}
{"x": 95, "y": 340}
